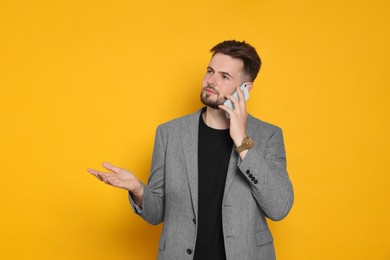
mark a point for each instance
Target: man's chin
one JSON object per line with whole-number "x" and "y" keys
{"x": 212, "y": 105}
{"x": 206, "y": 100}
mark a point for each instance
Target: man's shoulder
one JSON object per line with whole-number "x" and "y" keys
{"x": 186, "y": 120}
{"x": 257, "y": 123}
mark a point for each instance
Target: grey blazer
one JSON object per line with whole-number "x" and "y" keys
{"x": 256, "y": 187}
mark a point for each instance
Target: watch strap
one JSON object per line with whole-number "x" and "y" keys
{"x": 246, "y": 144}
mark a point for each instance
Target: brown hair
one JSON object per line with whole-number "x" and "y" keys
{"x": 242, "y": 51}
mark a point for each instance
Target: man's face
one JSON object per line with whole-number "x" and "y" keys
{"x": 224, "y": 74}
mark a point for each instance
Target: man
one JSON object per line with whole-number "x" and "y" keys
{"x": 214, "y": 180}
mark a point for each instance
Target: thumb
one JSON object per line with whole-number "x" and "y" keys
{"x": 111, "y": 167}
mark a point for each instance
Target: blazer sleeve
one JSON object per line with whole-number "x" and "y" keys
{"x": 152, "y": 209}
{"x": 268, "y": 178}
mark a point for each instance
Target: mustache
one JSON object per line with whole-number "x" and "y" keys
{"x": 212, "y": 88}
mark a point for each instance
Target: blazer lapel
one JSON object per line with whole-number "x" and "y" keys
{"x": 189, "y": 135}
{"x": 231, "y": 171}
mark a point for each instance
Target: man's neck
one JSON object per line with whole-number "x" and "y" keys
{"x": 215, "y": 118}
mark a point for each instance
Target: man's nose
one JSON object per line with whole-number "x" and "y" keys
{"x": 212, "y": 80}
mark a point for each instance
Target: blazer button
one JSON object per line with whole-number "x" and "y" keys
{"x": 189, "y": 251}
{"x": 248, "y": 171}
{"x": 194, "y": 220}
{"x": 255, "y": 181}
{"x": 250, "y": 176}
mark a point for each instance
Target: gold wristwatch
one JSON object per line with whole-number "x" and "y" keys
{"x": 246, "y": 144}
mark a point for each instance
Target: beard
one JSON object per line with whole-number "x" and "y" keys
{"x": 208, "y": 101}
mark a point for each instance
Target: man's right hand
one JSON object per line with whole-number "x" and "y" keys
{"x": 121, "y": 178}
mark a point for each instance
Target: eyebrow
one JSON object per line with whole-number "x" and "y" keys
{"x": 220, "y": 72}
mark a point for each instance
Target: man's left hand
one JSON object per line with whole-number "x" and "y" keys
{"x": 238, "y": 117}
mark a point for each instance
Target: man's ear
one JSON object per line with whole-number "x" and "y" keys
{"x": 250, "y": 85}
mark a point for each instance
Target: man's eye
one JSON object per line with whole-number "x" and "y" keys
{"x": 225, "y": 77}
{"x": 209, "y": 71}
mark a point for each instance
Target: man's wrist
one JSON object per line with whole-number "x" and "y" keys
{"x": 246, "y": 144}
{"x": 238, "y": 140}
{"x": 138, "y": 191}
{"x": 138, "y": 195}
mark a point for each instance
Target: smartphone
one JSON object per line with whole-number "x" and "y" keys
{"x": 229, "y": 103}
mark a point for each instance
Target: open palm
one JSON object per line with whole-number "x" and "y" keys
{"x": 118, "y": 177}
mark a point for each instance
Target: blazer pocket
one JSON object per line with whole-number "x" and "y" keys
{"x": 263, "y": 237}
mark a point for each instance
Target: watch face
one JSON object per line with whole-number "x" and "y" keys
{"x": 248, "y": 142}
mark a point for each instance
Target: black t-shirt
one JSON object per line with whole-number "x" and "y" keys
{"x": 214, "y": 151}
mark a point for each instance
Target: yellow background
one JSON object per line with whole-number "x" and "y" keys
{"x": 82, "y": 82}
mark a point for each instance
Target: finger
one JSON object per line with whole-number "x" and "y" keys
{"x": 241, "y": 100}
{"x": 235, "y": 102}
{"x": 233, "y": 99}
{"x": 105, "y": 177}
{"x": 95, "y": 173}
{"x": 226, "y": 109}
{"x": 240, "y": 93}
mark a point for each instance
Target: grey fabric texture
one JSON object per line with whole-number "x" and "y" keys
{"x": 256, "y": 188}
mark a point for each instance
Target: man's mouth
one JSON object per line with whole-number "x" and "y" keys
{"x": 210, "y": 91}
